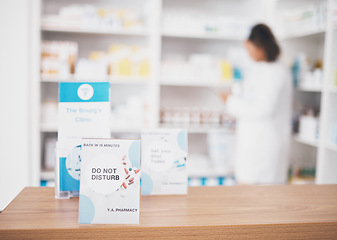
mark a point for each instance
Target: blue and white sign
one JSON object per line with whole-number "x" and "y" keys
{"x": 84, "y": 111}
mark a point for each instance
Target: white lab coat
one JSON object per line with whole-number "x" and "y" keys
{"x": 263, "y": 112}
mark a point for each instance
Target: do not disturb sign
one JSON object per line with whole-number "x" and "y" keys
{"x": 110, "y": 187}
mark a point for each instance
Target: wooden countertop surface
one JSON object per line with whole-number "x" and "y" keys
{"x": 239, "y": 212}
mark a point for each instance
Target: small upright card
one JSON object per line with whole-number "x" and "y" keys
{"x": 164, "y": 154}
{"x": 110, "y": 187}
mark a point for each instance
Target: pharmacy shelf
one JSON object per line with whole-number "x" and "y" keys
{"x": 195, "y": 84}
{"x": 331, "y": 146}
{"x": 113, "y": 80}
{"x": 200, "y": 129}
{"x": 310, "y": 142}
{"x": 48, "y": 128}
{"x": 208, "y": 129}
{"x": 210, "y": 36}
{"x": 141, "y": 32}
{"x": 311, "y": 33}
{"x": 326, "y": 164}
{"x": 302, "y": 180}
{"x": 134, "y": 130}
{"x": 52, "y": 128}
{"x": 207, "y": 173}
{"x": 333, "y": 89}
{"x": 151, "y": 34}
{"x": 47, "y": 175}
{"x": 310, "y": 88}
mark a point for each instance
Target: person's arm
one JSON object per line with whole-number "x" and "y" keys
{"x": 261, "y": 104}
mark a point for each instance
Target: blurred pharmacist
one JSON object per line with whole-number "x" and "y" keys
{"x": 263, "y": 112}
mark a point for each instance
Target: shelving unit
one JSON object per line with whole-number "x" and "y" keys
{"x": 161, "y": 42}
{"x": 112, "y": 80}
{"x": 48, "y": 175}
{"x": 304, "y": 34}
{"x": 198, "y": 129}
{"x": 317, "y": 43}
{"x": 99, "y": 39}
{"x": 142, "y": 33}
{"x": 332, "y": 146}
{"x": 333, "y": 89}
{"x": 210, "y": 36}
{"x": 310, "y": 89}
{"x": 52, "y": 128}
{"x": 198, "y": 93}
{"x": 327, "y": 154}
{"x": 313, "y": 143}
{"x": 197, "y": 84}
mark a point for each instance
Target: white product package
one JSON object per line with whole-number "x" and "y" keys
{"x": 164, "y": 155}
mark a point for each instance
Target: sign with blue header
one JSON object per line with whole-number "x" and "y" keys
{"x": 84, "y": 92}
{"x": 84, "y": 112}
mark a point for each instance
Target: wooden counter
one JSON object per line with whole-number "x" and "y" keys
{"x": 240, "y": 212}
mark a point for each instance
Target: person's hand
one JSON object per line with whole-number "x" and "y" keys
{"x": 225, "y": 94}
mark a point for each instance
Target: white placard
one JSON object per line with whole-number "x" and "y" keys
{"x": 164, "y": 155}
{"x": 110, "y": 186}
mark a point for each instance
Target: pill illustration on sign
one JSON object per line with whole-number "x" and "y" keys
{"x": 131, "y": 176}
